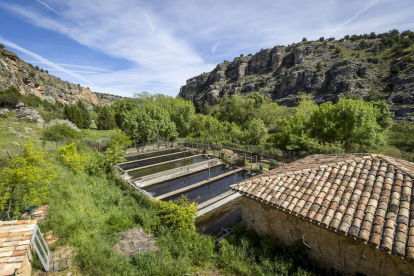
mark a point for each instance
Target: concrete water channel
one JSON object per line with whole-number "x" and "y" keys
{"x": 170, "y": 174}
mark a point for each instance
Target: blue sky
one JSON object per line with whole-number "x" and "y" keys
{"x": 127, "y": 46}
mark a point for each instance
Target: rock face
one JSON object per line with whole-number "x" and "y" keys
{"x": 29, "y": 114}
{"x": 28, "y": 80}
{"x": 316, "y": 68}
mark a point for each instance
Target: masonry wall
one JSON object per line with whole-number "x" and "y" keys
{"x": 327, "y": 248}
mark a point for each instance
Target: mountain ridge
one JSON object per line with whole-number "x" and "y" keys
{"x": 33, "y": 80}
{"x": 367, "y": 67}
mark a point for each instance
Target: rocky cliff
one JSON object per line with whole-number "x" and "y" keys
{"x": 328, "y": 70}
{"x": 31, "y": 80}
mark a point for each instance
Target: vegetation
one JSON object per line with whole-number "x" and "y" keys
{"x": 106, "y": 119}
{"x": 25, "y": 181}
{"x": 58, "y": 130}
{"x": 90, "y": 204}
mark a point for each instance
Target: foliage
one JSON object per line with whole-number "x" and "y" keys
{"x": 58, "y": 130}
{"x": 153, "y": 122}
{"x": 271, "y": 114}
{"x": 71, "y": 158}
{"x": 78, "y": 114}
{"x": 353, "y": 125}
{"x": 124, "y": 112}
{"x": 25, "y": 180}
{"x": 183, "y": 116}
{"x": 86, "y": 116}
{"x": 10, "y": 97}
{"x": 49, "y": 100}
{"x": 255, "y": 133}
{"x": 103, "y": 163}
{"x": 106, "y": 120}
{"x": 245, "y": 253}
{"x": 178, "y": 215}
{"x": 349, "y": 122}
{"x": 402, "y": 137}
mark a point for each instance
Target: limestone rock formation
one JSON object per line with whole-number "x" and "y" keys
{"x": 30, "y": 80}
{"x": 327, "y": 70}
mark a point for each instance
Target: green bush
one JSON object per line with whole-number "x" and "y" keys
{"x": 60, "y": 130}
{"x": 71, "y": 158}
{"x": 10, "y": 97}
{"x": 178, "y": 215}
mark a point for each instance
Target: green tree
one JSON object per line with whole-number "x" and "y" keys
{"x": 353, "y": 123}
{"x": 105, "y": 119}
{"x": 256, "y": 132}
{"x": 204, "y": 108}
{"x": 295, "y": 125}
{"x": 183, "y": 116}
{"x": 321, "y": 39}
{"x": 73, "y": 114}
{"x": 25, "y": 181}
{"x": 154, "y": 122}
{"x": 271, "y": 114}
{"x": 125, "y": 111}
{"x": 86, "y": 116}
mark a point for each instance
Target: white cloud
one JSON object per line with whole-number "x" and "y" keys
{"x": 168, "y": 42}
{"x": 43, "y": 60}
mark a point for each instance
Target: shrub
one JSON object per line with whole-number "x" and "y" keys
{"x": 32, "y": 74}
{"x": 59, "y": 132}
{"x": 25, "y": 180}
{"x": 71, "y": 158}
{"x": 178, "y": 215}
{"x": 49, "y": 100}
{"x": 10, "y": 97}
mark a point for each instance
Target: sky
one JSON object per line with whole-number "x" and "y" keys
{"x": 124, "y": 47}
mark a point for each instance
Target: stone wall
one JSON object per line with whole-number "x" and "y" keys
{"x": 327, "y": 248}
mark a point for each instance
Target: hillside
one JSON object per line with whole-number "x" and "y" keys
{"x": 33, "y": 80}
{"x": 367, "y": 67}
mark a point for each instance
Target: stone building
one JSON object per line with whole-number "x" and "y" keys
{"x": 354, "y": 212}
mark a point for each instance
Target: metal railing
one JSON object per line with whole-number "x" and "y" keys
{"x": 41, "y": 247}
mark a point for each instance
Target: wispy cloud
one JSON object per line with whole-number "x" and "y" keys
{"x": 71, "y": 65}
{"x": 369, "y": 5}
{"x": 49, "y": 7}
{"x": 43, "y": 60}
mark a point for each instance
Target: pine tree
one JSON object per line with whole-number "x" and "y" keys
{"x": 106, "y": 119}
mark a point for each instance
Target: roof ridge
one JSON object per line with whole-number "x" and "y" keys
{"x": 385, "y": 158}
{"x": 332, "y": 164}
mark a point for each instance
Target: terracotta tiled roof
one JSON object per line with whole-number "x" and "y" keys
{"x": 367, "y": 197}
{"x": 15, "y": 239}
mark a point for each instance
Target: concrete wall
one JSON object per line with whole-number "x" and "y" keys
{"x": 327, "y": 248}
{"x": 174, "y": 173}
{"x": 219, "y": 214}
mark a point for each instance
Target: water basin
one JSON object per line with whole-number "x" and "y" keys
{"x": 214, "y": 189}
{"x": 167, "y": 166}
{"x": 184, "y": 181}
